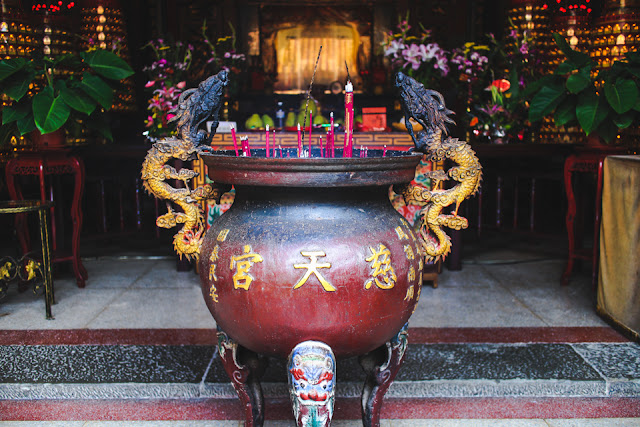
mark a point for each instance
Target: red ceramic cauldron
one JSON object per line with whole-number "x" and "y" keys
{"x": 311, "y": 250}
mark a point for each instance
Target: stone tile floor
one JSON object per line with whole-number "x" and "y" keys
{"x": 513, "y": 282}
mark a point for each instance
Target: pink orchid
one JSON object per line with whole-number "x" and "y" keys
{"x": 150, "y": 83}
{"x": 181, "y": 85}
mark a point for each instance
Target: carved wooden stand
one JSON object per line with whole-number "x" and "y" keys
{"x": 245, "y": 368}
{"x": 381, "y": 366}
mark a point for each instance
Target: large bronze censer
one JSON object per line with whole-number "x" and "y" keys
{"x": 311, "y": 262}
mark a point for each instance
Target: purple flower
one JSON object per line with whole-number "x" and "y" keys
{"x": 394, "y": 47}
{"x": 412, "y": 56}
{"x": 524, "y": 48}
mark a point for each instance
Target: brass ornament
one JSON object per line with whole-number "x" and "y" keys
{"x": 195, "y": 106}
{"x": 427, "y": 108}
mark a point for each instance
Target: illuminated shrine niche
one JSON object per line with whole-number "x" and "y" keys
{"x": 291, "y": 37}
{"x": 297, "y": 49}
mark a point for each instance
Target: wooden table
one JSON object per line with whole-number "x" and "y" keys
{"x": 23, "y": 207}
{"x": 43, "y": 164}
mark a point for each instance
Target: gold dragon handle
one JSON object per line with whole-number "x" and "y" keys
{"x": 195, "y": 106}
{"x": 428, "y": 109}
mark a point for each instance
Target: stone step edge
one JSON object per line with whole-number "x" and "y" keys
{"x": 401, "y": 389}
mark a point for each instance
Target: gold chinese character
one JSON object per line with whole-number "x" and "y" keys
{"x": 401, "y": 234}
{"x": 420, "y": 264}
{"x": 408, "y": 250}
{"x": 312, "y": 269}
{"x": 215, "y": 254}
{"x": 222, "y": 236}
{"x": 212, "y": 272}
{"x": 382, "y": 269}
{"x": 411, "y": 276}
{"x": 213, "y": 293}
{"x": 409, "y": 295}
{"x": 242, "y": 263}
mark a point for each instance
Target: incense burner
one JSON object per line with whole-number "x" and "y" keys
{"x": 312, "y": 262}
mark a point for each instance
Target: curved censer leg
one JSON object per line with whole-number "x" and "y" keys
{"x": 245, "y": 368}
{"x": 381, "y": 366}
{"x": 312, "y": 372}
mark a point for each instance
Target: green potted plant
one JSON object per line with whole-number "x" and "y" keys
{"x": 48, "y": 93}
{"x": 600, "y": 102}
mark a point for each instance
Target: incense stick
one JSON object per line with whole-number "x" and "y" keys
{"x": 306, "y": 107}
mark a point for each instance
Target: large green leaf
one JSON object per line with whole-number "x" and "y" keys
{"x": 11, "y": 66}
{"x": 635, "y": 70}
{"x": 621, "y": 95}
{"x": 97, "y": 89}
{"x": 565, "y": 68}
{"x": 49, "y": 111}
{"x": 633, "y": 57}
{"x": 78, "y": 100}
{"x": 579, "y": 58}
{"x": 623, "y": 121}
{"x": 15, "y": 112}
{"x": 107, "y": 64}
{"x": 545, "y": 101}
{"x": 26, "y": 124}
{"x": 16, "y": 86}
{"x": 590, "y": 111}
{"x": 99, "y": 124}
{"x": 607, "y": 130}
{"x": 566, "y": 111}
{"x": 578, "y": 82}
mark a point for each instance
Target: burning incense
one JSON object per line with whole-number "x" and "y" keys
{"x": 321, "y": 147}
{"x": 235, "y": 141}
{"x": 306, "y": 107}
{"x": 267, "y": 142}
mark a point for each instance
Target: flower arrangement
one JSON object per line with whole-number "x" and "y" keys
{"x": 417, "y": 56}
{"x": 222, "y": 55}
{"x": 167, "y": 79}
{"x": 500, "y": 111}
{"x": 471, "y": 61}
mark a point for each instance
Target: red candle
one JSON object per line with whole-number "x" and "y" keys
{"x": 267, "y": 142}
{"x": 235, "y": 141}
{"x": 274, "y": 142}
{"x": 332, "y": 143}
{"x": 348, "y": 119}
{"x": 384, "y": 151}
{"x": 321, "y": 147}
{"x": 351, "y": 134}
{"x": 299, "y": 142}
{"x": 310, "y": 126}
{"x": 245, "y": 145}
{"x": 327, "y": 148}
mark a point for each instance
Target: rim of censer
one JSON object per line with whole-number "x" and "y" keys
{"x": 395, "y": 168}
